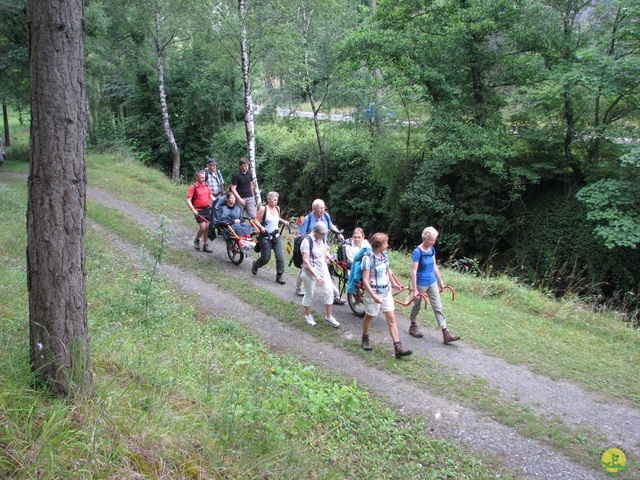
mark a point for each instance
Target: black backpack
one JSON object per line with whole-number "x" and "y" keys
{"x": 297, "y": 254}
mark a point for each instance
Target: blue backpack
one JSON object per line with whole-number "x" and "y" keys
{"x": 355, "y": 272}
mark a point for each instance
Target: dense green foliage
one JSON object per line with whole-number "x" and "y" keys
{"x": 168, "y": 379}
{"x": 179, "y": 394}
{"x": 511, "y": 127}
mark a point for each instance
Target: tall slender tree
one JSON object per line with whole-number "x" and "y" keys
{"x": 58, "y": 326}
{"x": 234, "y": 37}
{"x": 160, "y": 51}
{"x": 14, "y": 58}
{"x": 249, "y": 123}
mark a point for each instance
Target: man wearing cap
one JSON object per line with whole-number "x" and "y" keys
{"x": 243, "y": 188}
{"x": 213, "y": 178}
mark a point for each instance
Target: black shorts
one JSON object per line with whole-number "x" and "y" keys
{"x": 203, "y": 215}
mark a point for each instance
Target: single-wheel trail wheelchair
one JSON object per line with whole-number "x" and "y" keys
{"x": 239, "y": 237}
{"x": 237, "y": 245}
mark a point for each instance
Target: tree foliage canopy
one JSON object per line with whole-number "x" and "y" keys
{"x": 486, "y": 107}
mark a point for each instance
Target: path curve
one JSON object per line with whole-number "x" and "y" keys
{"x": 619, "y": 423}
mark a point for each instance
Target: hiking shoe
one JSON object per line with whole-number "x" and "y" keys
{"x": 366, "y": 344}
{"x": 207, "y": 248}
{"x": 309, "y": 320}
{"x": 338, "y": 301}
{"x": 300, "y": 291}
{"x": 196, "y": 244}
{"x": 401, "y": 351}
{"x": 332, "y": 321}
{"x": 279, "y": 279}
{"x": 414, "y": 331}
{"x": 254, "y": 268}
{"x": 448, "y": 336}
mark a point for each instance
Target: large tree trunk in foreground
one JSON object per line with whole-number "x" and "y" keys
{"x": 59, "y": 336}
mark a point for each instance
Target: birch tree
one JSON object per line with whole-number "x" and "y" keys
{"x": 230, "y": 20}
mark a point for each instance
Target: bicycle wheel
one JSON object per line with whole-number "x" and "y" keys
{"x": 236, "y": 255}
{"x": 355, "y": 302}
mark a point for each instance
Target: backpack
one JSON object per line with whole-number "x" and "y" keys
{"x": 195, "y": 193}
{"x": 355, "y": 272}
{"x": 342, "y": 254}
{"x": 297, "y": 254}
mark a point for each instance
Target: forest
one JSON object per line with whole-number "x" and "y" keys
{"x": 511, "y": 126}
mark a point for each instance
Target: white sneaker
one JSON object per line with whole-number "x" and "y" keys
{"x": 332, "y": 321}
{"x": 300, "y": 291}
{"x": 309, "y": 320}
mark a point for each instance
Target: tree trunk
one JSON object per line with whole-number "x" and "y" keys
{"x": 569, "y": 120}
{"x": 249, "y": 125}
{"x": 377, "y": 74}
{"x": 316, "y": 124}
{"x": 314, "y": 108}
{"x": 5, "y": 118}
{"x": 173, "y": 146}
{"x": 59, "y": 336}
{"x": 90, "y": 129}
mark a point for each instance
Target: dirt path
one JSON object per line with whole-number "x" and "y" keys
{"x": 620, "y": 424}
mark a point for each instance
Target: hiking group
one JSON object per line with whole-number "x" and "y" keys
{"x": 311, "y": 254}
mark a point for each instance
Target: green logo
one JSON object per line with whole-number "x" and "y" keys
{"x": 614, "y": 462}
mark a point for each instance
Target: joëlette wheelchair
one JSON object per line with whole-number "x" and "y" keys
{"x": 239, "y": 237}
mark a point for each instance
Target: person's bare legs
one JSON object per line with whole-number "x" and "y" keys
{"x": 202, "y": 232}
{"x": 366, "y": 321}
{"x": 393, "y": 327}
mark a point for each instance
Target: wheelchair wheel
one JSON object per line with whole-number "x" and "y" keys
{"x": 236, "y": 255}
{"x": 355, "y": 302}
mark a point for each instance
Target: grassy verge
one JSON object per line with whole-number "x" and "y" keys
{"x": 561, "y": 340}
{"x": 178, "y": 394}
{"x": 558, "y": 339}
{"x": 578, "y": 443}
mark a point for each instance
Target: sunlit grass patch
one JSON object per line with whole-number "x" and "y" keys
{"x": 144, "y": 187}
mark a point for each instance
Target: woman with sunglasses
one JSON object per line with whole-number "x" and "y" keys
{"x": 425, "y": 278}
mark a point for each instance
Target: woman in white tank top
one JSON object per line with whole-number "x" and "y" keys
{"x": 269, "y": 218}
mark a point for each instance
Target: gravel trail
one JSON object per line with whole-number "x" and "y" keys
{"x": 447, "y": 419}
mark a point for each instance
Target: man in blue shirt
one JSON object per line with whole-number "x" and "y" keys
{"x": 318, "y": 214}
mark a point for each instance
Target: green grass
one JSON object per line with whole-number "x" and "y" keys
{"x": 561, "y": 340}
{"x": 180, "y": 394}
{"x": 558, "y": 339}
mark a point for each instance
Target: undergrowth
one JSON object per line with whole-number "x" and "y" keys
{"x": 178, "y": 394}
{"x": 186, "y": 395}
